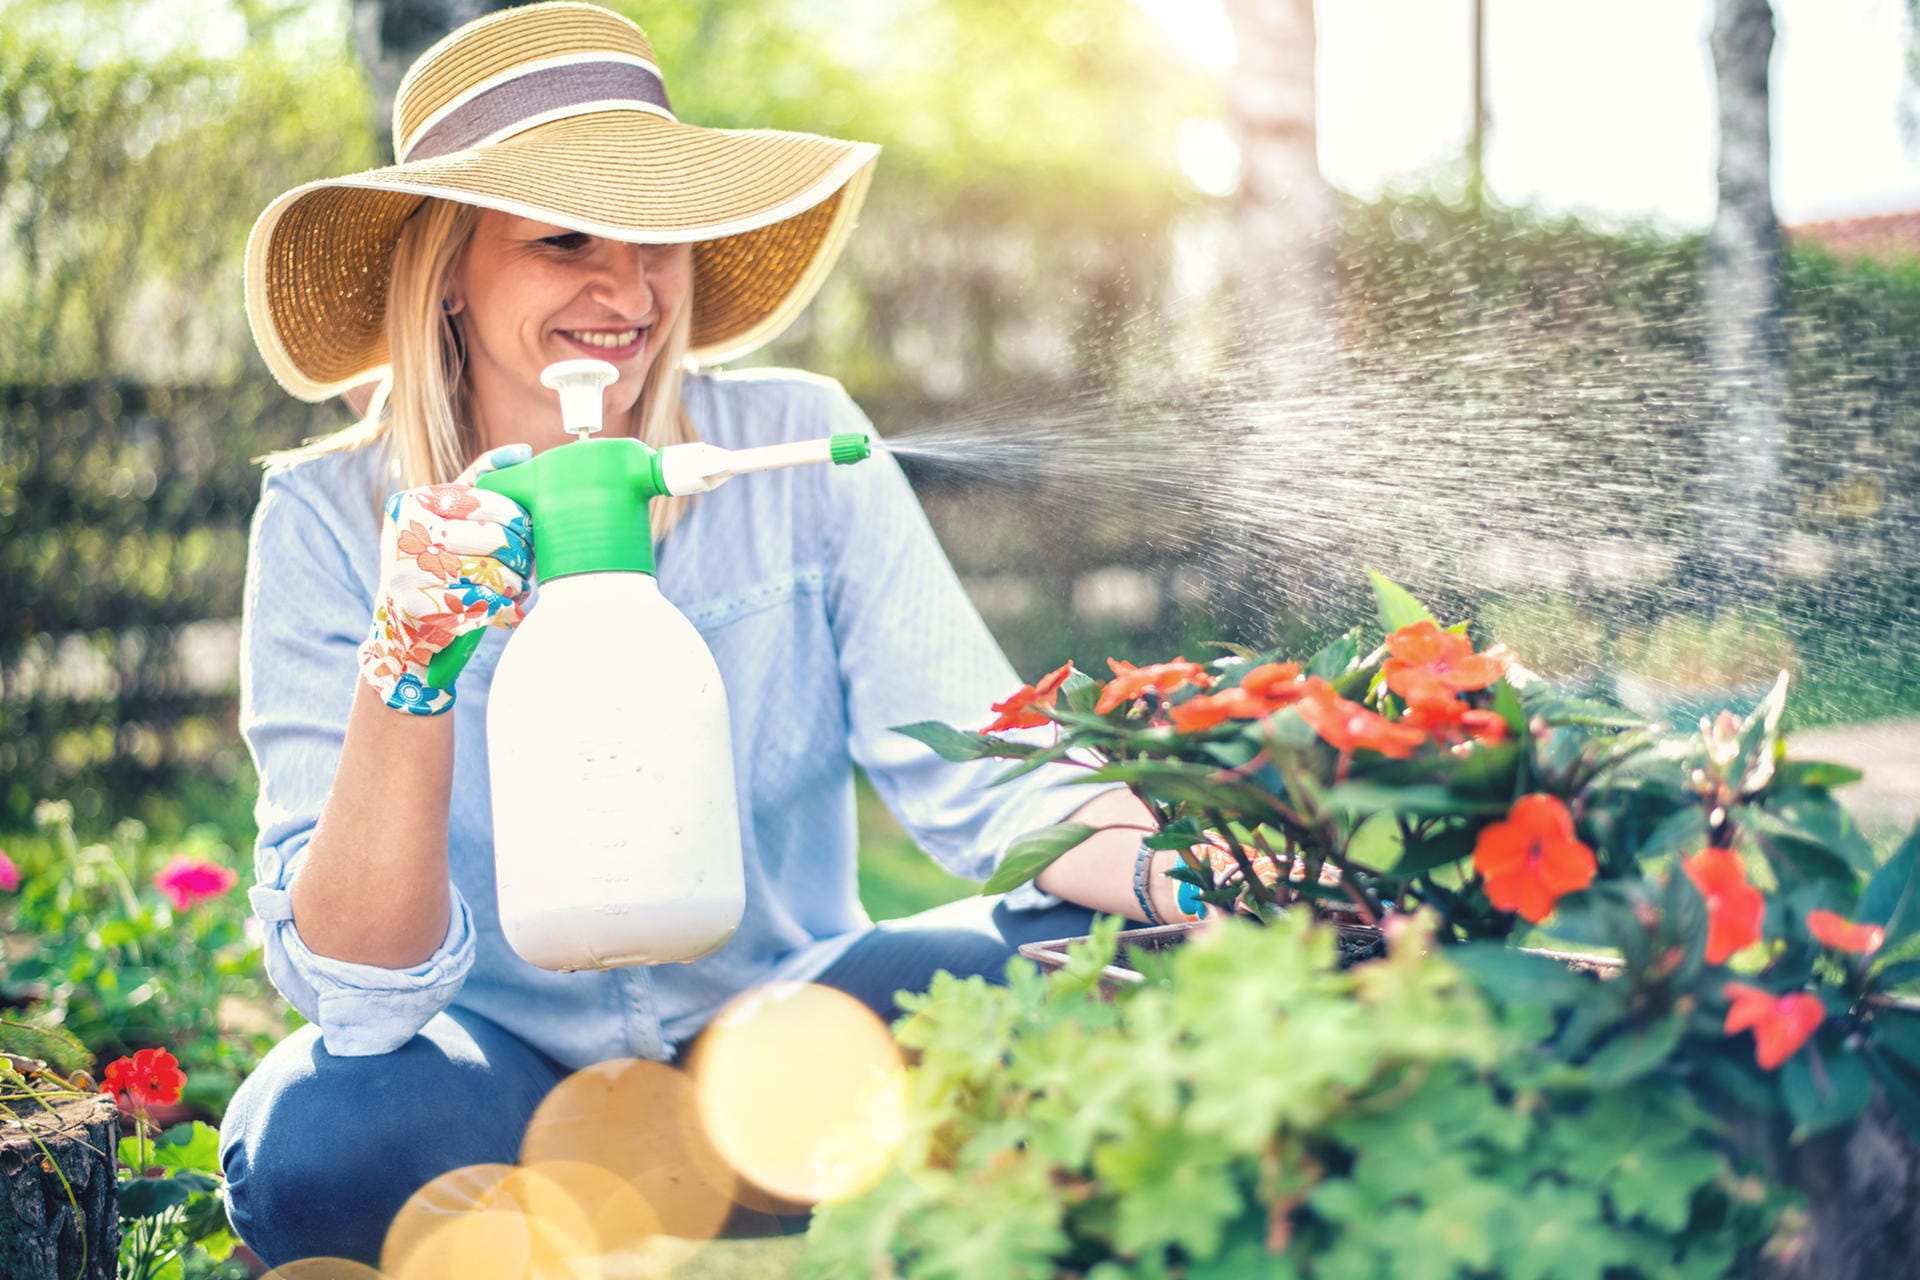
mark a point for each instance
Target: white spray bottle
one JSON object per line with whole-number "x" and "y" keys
{"x": 616, "y": 834}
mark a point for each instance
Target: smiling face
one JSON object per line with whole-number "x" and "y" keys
{"x": 526, "y": 294}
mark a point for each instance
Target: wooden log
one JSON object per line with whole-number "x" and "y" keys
{"x": 45, "y": 1234}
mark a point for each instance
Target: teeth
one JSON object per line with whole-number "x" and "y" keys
{"x": 625, "y": 339}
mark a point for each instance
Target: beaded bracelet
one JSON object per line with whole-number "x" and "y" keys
{"x": 1142, "y": 864}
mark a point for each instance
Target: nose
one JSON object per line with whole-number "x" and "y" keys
{"x": 621, "y": 280}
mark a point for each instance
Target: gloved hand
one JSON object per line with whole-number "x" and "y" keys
{"x": 453, "y": 559}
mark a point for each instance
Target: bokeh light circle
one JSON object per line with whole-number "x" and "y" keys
{"x": 323, "y": 1269}
{"x": 639, "y": 1121}
{"x": 803, "y": 1090}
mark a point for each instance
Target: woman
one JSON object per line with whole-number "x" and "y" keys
{"x": 548, "y": 205}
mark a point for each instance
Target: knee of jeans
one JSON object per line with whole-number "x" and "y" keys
{"x": 320, "y": 1151}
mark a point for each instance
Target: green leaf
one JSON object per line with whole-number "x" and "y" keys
{"x": 1684, "y": 831}
{"x": 1633, "y": 1054}
{"x": 1813, "y": 773}
{"x": 1398, "y": 607}
{"x": 194, "y": 1146}
{"x": 1563, "y": 712}
{"x": 1809, "y": 833}
{"x": 1514, "y": 977}
{"x": 1175, "y": 782}
{"x": 1337, "y": 658}
{"x": 1506, "y": 703}
{"x": 1897, "y": 1034}
{"x": 150, "y": 1197}
{"x": 1892, "y": 898}
{"x": 1823, "y": 1090}
{"x": 1759, "y": 739}
{"x": 1080, "y": 692}
{"x": 1418, "y": 801}
{"x": 1377, "y": 842}
{"x": 1181, "y": 833}
{"x": 55, "y": 1046}
{"x": 1435, "y": 849}
{"x": 1033, "y": 853}
{"x": 1903, "y": 1095}
{"x": 957, "y": 746}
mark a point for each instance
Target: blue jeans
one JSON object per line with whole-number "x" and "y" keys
{"x": 321, "y": 1152}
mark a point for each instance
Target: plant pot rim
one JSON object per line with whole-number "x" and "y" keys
{"x": 1052, "y": 953}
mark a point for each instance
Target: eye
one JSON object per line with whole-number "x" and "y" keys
{"x": 566, "y": 241}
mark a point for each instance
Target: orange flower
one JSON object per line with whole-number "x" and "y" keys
{"x": 1842, "y": 934}
{"x": 1261, "y": 692}
{"x": 1452, "y": 720}
{"x": 1533, "y": 859}
{"x": 1734, "y": 907}
{"x": 1429, "y": 664}
{"x": 1349, "y": 727}
{"x": 1129, "y": 681}
{"x": 417, "y": 543}
{"x": 1203, "y": 711}
{"x": 1276, "y": 682}
{"x": 1780, "y": 1024}
{"x": 1021, "y": 711}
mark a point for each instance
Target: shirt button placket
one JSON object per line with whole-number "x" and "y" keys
{"x": 643, "y": 1014}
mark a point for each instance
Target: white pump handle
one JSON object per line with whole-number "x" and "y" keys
{"x": 579, "y": 383}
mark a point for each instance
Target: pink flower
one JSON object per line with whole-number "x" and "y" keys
{"x": 187, "y": 882}
{"x": 9, "y": 874}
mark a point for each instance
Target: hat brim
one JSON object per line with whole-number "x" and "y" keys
{"x": 767, "y": 212}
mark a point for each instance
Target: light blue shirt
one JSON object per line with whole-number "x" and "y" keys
{"x": 834, "y": 616}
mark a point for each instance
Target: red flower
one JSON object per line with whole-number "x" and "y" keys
{"x": 1734, "y": 907}
{"x": 187, "y": 882}
{"x": 1533, "y": 859}
{"x": 1781, "y": 1024}
{"x": 1349, "y": 727}
{"x": 1452, "y": 720}
{"x": 151, "y": 1077}
{"x": 1842, "y": 934}
{"x": 1429, "y": 664}
{"x": 9, "y": 874}
{"x": 1129, "y": 681}
{"x": 1021, "y": 710}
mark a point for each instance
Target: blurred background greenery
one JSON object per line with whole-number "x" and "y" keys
{"x": 1038, "y": 243}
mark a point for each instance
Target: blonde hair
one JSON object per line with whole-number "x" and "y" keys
{"x": 418, "y": 410}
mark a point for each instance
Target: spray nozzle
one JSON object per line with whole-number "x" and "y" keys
{"x": 579, "y": 383}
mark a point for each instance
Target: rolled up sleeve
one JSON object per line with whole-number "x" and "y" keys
{"x": 912, "y": 647}
{"x": 305, "y": 612}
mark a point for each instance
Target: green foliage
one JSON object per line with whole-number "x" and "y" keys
{"x": 172, "y": 1202}
{"x": 1258, "y": 1110}
{"x": 124, "y": 513}
{"x": 106, "y": 958}
{"x": 1695, "y": 851}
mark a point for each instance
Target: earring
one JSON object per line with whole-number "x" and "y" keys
{"x": 446, "y": 305}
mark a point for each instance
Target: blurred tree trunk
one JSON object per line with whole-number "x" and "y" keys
{"x": 1282, "y": 277}
{"x": 390, "y": 34}
{"x": 1283, "y": 211}
{"x": 1742, "y": 300}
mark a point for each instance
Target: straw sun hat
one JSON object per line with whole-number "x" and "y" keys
{"x": 558, "y": 112}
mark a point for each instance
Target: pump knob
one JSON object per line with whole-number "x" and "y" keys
{"x": 579, "y": 383}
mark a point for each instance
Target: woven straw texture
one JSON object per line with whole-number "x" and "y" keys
{"x": 767, "y": 211}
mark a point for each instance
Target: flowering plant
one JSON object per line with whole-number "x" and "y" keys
{"x": 170, "y": 1189}
{"x": 1755, "y": 946}
{"x": 132, "y": 942}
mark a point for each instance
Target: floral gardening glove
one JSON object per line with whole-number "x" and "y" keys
{"x": 453, "y": 559}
